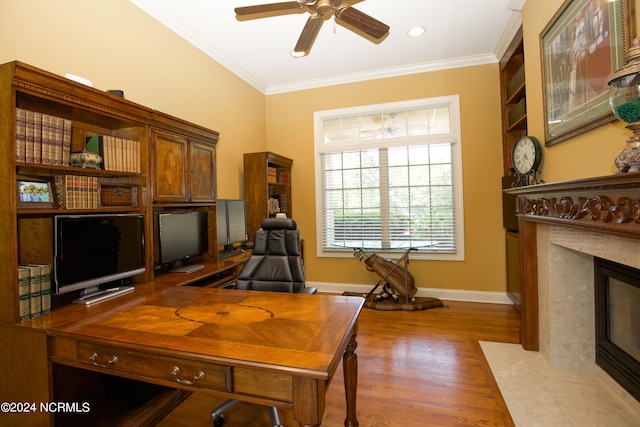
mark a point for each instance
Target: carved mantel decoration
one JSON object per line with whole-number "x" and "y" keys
{"x": 607, "y": 205}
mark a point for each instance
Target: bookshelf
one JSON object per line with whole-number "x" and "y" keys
{"x": 513, "y": 99}
{"x": 129, "y": 180}
{"x": 40, "y": 157}
{"x": 514, "y": 125}
{"x": 267, "y": 187}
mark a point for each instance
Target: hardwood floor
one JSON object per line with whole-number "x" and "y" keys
{"x": 416, "y": 368}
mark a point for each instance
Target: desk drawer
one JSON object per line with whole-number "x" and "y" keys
{"x": 180, "y": 371}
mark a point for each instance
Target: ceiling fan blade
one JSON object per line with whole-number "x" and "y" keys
{"x": 309, "y": 34}
{"x": 267, "y": 8}
{"x": 361, "y": 21}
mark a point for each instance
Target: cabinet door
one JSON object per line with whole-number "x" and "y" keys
{"x": 169, "y": 168}
{"x": 202, "y": 160}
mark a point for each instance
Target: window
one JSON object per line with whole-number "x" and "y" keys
{"x": 389, "y": 177}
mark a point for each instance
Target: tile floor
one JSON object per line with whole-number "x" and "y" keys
{"x": 538, "y": 394}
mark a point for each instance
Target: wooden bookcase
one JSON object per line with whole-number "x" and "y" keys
{"x": 27, "y": 228}
{"x": 267, "y": 187}
{"x": 513, "y": 99}
{"x": 514, "y": 125}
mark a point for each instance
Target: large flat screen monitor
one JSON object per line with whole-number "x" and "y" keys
{"x": 97, "y": 253}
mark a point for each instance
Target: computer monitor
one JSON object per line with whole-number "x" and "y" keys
{"x": 97, "y": 253}
{"x": 232, "y": 226}
{"x": 181, "y": 236}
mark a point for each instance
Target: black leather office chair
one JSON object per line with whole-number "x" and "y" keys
{"x": 275, "y": 265}
{"x": 276, "y": 260}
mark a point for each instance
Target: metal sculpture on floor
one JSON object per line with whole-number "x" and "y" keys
{"x": 398, "y": 284}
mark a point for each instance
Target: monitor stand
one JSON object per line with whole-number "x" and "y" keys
{"x": 230, "y": 251}
{"x": 95, "y": 295}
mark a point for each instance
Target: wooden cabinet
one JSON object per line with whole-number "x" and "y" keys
{"x": 202, "y": 161}
{"x": 267, "y": 187}
{"x": 170, "y": 166}
{"x": 183, "y": 161}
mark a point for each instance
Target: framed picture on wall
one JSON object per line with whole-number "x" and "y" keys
{"x": 34, "y": 193}
{"x": 581, "y": 47}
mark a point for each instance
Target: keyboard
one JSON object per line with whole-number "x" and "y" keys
{"x": 103, "y": 295}
{"x": 189, "y": 268}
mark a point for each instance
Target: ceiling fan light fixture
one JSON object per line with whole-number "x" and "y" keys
{"x": 320, "y": 10}
{"x": 416, "y": 31}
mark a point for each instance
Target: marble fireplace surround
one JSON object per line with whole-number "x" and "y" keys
{"x": 563, "y": 226}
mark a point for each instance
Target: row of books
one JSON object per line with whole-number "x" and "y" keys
{"x": 118, "y": 154}
{"x": 34, "y": 290}
{"x": 76, "y": 191}
{"x": 41, "y": 138}
{"x": 276, "y": 176}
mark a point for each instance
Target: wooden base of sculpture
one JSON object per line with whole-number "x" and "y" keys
{"x": 419, "y": 303}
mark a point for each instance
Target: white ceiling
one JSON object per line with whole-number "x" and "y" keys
{"x": 458, "y": 33}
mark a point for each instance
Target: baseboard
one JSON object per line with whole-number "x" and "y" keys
{"x": 443, "y": 294}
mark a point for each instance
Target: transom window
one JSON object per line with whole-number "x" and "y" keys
{"x": 388, "y": 178}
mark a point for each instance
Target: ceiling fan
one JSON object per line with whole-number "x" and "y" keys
{"x": 320, "y": 10}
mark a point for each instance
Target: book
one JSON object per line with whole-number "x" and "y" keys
{"x": 119, "y": 151}
{"x": 94, "y": 192}
{"x": 21, "y": 135}
{"x": 47, "y": 139}
{"x": 29, "y": 120}
{"x": 272, "y": 175}
{"x": 66, "y": 141}
{"x": 45, "y": 287}
{"x": 42, "y": 138}
{"x": 24, "y": 302}
{"x": 37, "y": 137}
{"x": 64, "y": 191}
{"x": 77, "y": 192}
{"x": 58, "y": 134}
{"x": 35, "y": 290}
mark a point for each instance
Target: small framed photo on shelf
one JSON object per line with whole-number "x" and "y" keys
{"x": 34, "y": 193}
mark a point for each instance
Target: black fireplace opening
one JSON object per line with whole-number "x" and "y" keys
{"x": 617, "y": 310}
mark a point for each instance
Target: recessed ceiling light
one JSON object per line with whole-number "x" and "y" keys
{"x": 416, "y": 31}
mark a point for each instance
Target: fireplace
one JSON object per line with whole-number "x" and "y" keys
{"x": 617, "y": 311}
{"x": 564, "y": 228}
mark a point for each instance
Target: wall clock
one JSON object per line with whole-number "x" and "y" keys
{"x": 525, "y": 157}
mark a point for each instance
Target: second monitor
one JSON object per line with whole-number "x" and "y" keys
{"x": 232, "y": 226}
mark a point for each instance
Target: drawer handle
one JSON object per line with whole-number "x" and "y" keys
{"x": 176, "y": 372}
{"x": 94, "y": 358}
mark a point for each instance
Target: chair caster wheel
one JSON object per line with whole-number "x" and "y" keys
{"x": 218, "y": 421}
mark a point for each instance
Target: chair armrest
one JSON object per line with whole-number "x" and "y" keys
{"x": 308, "y": 291}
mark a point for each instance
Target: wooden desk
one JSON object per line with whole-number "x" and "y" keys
{"x": 269, "y": 348}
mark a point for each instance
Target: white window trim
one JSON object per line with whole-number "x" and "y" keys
{"x": 455, "y": 135}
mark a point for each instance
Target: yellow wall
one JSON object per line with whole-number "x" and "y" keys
{"x": 290, "y": 133}
{"x": 117, "y": 46}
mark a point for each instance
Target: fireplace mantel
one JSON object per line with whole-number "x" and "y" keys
{"x": 609, "y": 205}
